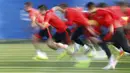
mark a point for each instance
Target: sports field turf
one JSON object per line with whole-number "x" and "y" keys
{"x": 17, "y": 58}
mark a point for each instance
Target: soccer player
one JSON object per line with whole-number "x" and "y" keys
{"x": 103, "y": 45}
{"x": 35, "y": 15}
{"x": 123, "y": 19}
{"x": 126, "y": 11}
{"x": 75, "y": 16}
{"x": 116, "y": 34}
{"x": 61, "y": 36}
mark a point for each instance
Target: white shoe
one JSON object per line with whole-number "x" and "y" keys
{"x": 76, "y": 47}
{"x": 108, "y": 67}
{"x": 112, "y": 63}
{"x": 86, "y": 48}
{"x": 41, "y": 55}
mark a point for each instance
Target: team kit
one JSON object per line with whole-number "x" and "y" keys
{"x": 100, "y": 25}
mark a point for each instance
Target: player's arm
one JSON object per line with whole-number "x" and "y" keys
{"x": 69, "y": 20}
{"x": 45, "y": 24}
{"x": 109, "y": 21}
{"x": 93, "y": 22}
{"x": 92, "y": 31}
{"x": 33, "y": 20}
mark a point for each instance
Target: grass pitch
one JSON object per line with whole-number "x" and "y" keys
{"x": 17, "y": 58}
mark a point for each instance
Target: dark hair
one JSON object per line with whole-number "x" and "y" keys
{"x": 42, "y": 7}
{"x": 102, "y": 5}
{"x": 28, "y": 4}
{"x": 63, "y": 5}
{"x": 90, "y": 4}
{"x": 121, "y": 3}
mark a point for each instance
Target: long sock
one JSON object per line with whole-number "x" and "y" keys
{"x": 76, "y": 47}
{"x": 86, "y": 47}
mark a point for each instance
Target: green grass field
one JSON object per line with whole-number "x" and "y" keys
{"x": 17, "y": 58}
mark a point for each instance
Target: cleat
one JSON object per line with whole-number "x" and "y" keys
{"x": 41, "y": 56}
{"x": 114, "y": 64}
{"x": 108, "y": 67}
{"x": 91, "y": 54}
{"x": 38, "y": 58}
{"x": 83, "y": 64}
{"x": 62, "y": 55}
{"x": 122, "y": 53}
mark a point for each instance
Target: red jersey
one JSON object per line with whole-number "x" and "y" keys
{"x": 75, "y": 15}
{"x": 55, "y": 21}
{"x": 40, "y": 18}
{"x": 86, "y": 14}
{"x": 106, "y": 18}
{"x": 33, "y": 13}
{"x": 127, "y": 13}
{"x": 118, "y": 12}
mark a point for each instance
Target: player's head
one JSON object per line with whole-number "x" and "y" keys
{"x": 102, "y": 5}
{"x": 122, "y": 4}
{"x": 28, "y": 6}
{"x": 63, "y": 7}
{"x": 42, "y": 9}
{"x": 91, "y": 6}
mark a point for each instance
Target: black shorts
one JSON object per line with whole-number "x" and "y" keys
{"x": 78, "y": 32}
{"x": 42, "y": 33}
{"x": 127, "y": 33}
{"x": 62, "y": 37}
{"x": 119, "y": 39}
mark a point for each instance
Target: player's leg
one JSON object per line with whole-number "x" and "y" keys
{"x": 57, "y": 44}
{"x": 75, "y": 37}
{"x": 36, "y": 42}
{"x": 119, "y": 38}
{"x": 111, "y": 58}
{"x": 104, "y": 46}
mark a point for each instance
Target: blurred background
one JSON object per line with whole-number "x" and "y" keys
{"x": 14, "y": 22}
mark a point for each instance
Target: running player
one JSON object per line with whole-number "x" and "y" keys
{"x": 103, "y": 45}
{"x": 75, "y": 16}
{"x": 116, "y": 35}
{"x": 62, "y": 32}
{"x": 126, "y": 11}
{"x": 35, "y": 15}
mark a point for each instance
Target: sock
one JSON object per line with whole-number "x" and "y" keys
{"x": 86, "y": 47}
{"x": 76, "y": 47}
{"x": 111, "y": 59}
{"x": 38, "y": 51}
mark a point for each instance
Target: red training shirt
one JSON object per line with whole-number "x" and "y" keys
{"x": 75, "y": 15}
{"x": 55, "y": 21}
